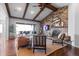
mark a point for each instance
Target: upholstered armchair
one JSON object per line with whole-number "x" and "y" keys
{"x": 22, "y": 41}
{"x": 60, "y": 39}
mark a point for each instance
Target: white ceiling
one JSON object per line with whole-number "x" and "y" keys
{"x": 43, "y": 14}
{"x": 13, "y": 9}
{"x": 32, "y": 11}
{"x": 17, "y": 10}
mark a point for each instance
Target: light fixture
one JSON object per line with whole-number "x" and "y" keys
{"x": 18, "y": 8}
{"x": 32, "y": 12}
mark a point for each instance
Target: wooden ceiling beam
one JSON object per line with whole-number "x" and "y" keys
{"x": 7, "y": 8}
{"x": 25, "y": 11}
{"x": 51, "y": 7}
{"x": 47, "y": 6}
{"x": 23, "y": 19}
{"x": 38, "y": 13}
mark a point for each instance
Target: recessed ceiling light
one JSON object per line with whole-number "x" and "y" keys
{"x": 32, "y": 12}
{"x": 18, "y": 8}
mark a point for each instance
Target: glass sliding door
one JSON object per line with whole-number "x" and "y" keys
{"x": 24, "y": 28}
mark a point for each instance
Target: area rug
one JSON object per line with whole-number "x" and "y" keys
{"x": 28, "y": 52}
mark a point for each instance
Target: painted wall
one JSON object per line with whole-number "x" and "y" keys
{"x": 13, "y": 22}
{"x": 73, "y": 23}
{"x": 4, "y": 19}
{"x": 77, "y": 25}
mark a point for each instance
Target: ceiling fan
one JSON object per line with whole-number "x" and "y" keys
{"x": 41, "y": 5}
{"x": 47, "y": 5}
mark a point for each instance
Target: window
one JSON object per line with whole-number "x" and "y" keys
{"x": 1, "y": 28}
{"x": 24, "y": 27}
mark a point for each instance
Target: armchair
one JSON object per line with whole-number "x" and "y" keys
{"x": 22, "y": 41}
{"x": 60, "y": 39}
{"x": 39, "y": 42}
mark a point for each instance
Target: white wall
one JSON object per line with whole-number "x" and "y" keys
{"x": 13, "y": 22}
{"x": 4, "y": 19}
{"x": 77, "y": 25}
{"x": 73, "y": 23}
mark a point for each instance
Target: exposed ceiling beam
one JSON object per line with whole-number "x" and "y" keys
{"x": 7, "y": 7}
{"x": 23, "y": 19}
{"x": 25, "y": 11}
{"x": 51, "y": 7}
{"x": 38, "y": 13}
{"x": 47, "y": 6}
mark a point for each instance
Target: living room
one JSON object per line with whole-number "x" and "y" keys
{"x": 39, "y": 27}
{"x": 49, "y": 21}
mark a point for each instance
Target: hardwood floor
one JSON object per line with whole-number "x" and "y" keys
{"x": 10, "y": 48}
{"x": 25, "y": 51}
{"x": 66, "y": 51}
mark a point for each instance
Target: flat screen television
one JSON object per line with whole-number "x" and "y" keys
{"x": 46, "y": 27}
